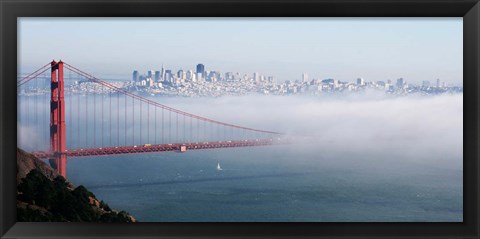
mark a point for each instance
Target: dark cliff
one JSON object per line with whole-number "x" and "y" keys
{"x": 44, "y": 195}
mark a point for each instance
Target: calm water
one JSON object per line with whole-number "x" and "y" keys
{"x": 271, "y": 184}
{"x": 393, "y": 163}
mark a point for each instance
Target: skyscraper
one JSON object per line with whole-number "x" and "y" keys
{"x": 180, "y": 74}
{"x": 201, "y": 70}
{"x": 256, "y": 77}
{"x": 360, "y": 81}
{"x": 135, "y": 76}
{"x": 305, "y": 77}
{"x": 199, "y": 77}
{"x": 162, "y": 74}
{"x": 189, "y": 75}
{"x": 150, "y": 73}
{"x": 168, "y": 76}
{"x": 400, "y": 83}
{"x": 157, "y": 76}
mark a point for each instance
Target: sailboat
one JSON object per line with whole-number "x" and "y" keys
{"x": 218, "y": 167}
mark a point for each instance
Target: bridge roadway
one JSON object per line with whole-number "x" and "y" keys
{"x": 150, "y": 148}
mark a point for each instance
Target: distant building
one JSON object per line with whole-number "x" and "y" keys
{"x": 438, "y": 83}
{"x": 201, "y": 70}
{"x": 199, "y": 77}
{"x": 229, "y": 76}
{"x": 162, "y": 74}
{"x": 168, "y": 76}
{"x": 328, "y": 81}
{"x": 256, "y": 77}
{"x": 149, "y": 82}
{"x": 426, "y": 83}
{"x": 180, "y": 74}
{"x": 157, "y": 76}
{"x": 135, "y": 76}
{"x": 214, "y": 76}
{"x": 150, "y": 73}
{"x": 189, "y": 75}
{"x": 304, "y": 77}
{"x": 360, "y": 81}
{"x": 400, "y": 83}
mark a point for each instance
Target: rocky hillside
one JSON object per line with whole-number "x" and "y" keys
{"x": 43, "y": 195}
{"x": 27, "y": 162}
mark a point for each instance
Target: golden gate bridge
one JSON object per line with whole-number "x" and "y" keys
{"x": 129, "y": 123}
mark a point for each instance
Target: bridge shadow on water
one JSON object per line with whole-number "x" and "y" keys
{"x": 202, "y": 180}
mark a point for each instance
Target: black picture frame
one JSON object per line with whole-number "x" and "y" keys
{"x": 10, "y": 10}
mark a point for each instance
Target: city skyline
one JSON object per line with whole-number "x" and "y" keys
{"x": 213, "y": 76}
{"x": 374, "y": 49}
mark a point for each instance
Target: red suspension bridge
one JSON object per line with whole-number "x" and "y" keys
{"x": 108, "y": 119}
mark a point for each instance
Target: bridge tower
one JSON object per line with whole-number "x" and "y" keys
{"x": 57, "y": 119}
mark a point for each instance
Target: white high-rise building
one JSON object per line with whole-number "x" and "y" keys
{"x": 189, "y": 75}
{"x": 256, "y": 76}
{"x": 199, "y": 77}
{"x": 304, "y": 77}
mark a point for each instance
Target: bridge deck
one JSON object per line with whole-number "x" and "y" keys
{"x": 149, "y": 148}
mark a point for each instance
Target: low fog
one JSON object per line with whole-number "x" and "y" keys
{"x": 420, "y": 128}
{"x": 426, "y": 129}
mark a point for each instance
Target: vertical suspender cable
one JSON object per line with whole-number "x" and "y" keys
{"x": 118, "y": 118}
{"x": 163, "y": 132}
{"x": 176, "y": 125}
{"x": 86, "y": 114}
{"x": 94, "y": 114}
{"x": 148, "y": 123}
{"x": 141, "y": 122}
{"x": 170, "y": 126}
{"x": 133, "y": 120}
{"x": 110, "y": 116}
{"x": 103, "y": 123}
{"x": 156, "y": 125}
{"x": 125, "y": 112}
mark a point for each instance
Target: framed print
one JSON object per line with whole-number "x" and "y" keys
{"x": 240, "y": 119}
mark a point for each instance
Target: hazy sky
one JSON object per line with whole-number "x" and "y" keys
{"x": 342, "y": 48}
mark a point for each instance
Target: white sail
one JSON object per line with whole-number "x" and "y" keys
{"x": 218, "y": 167}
